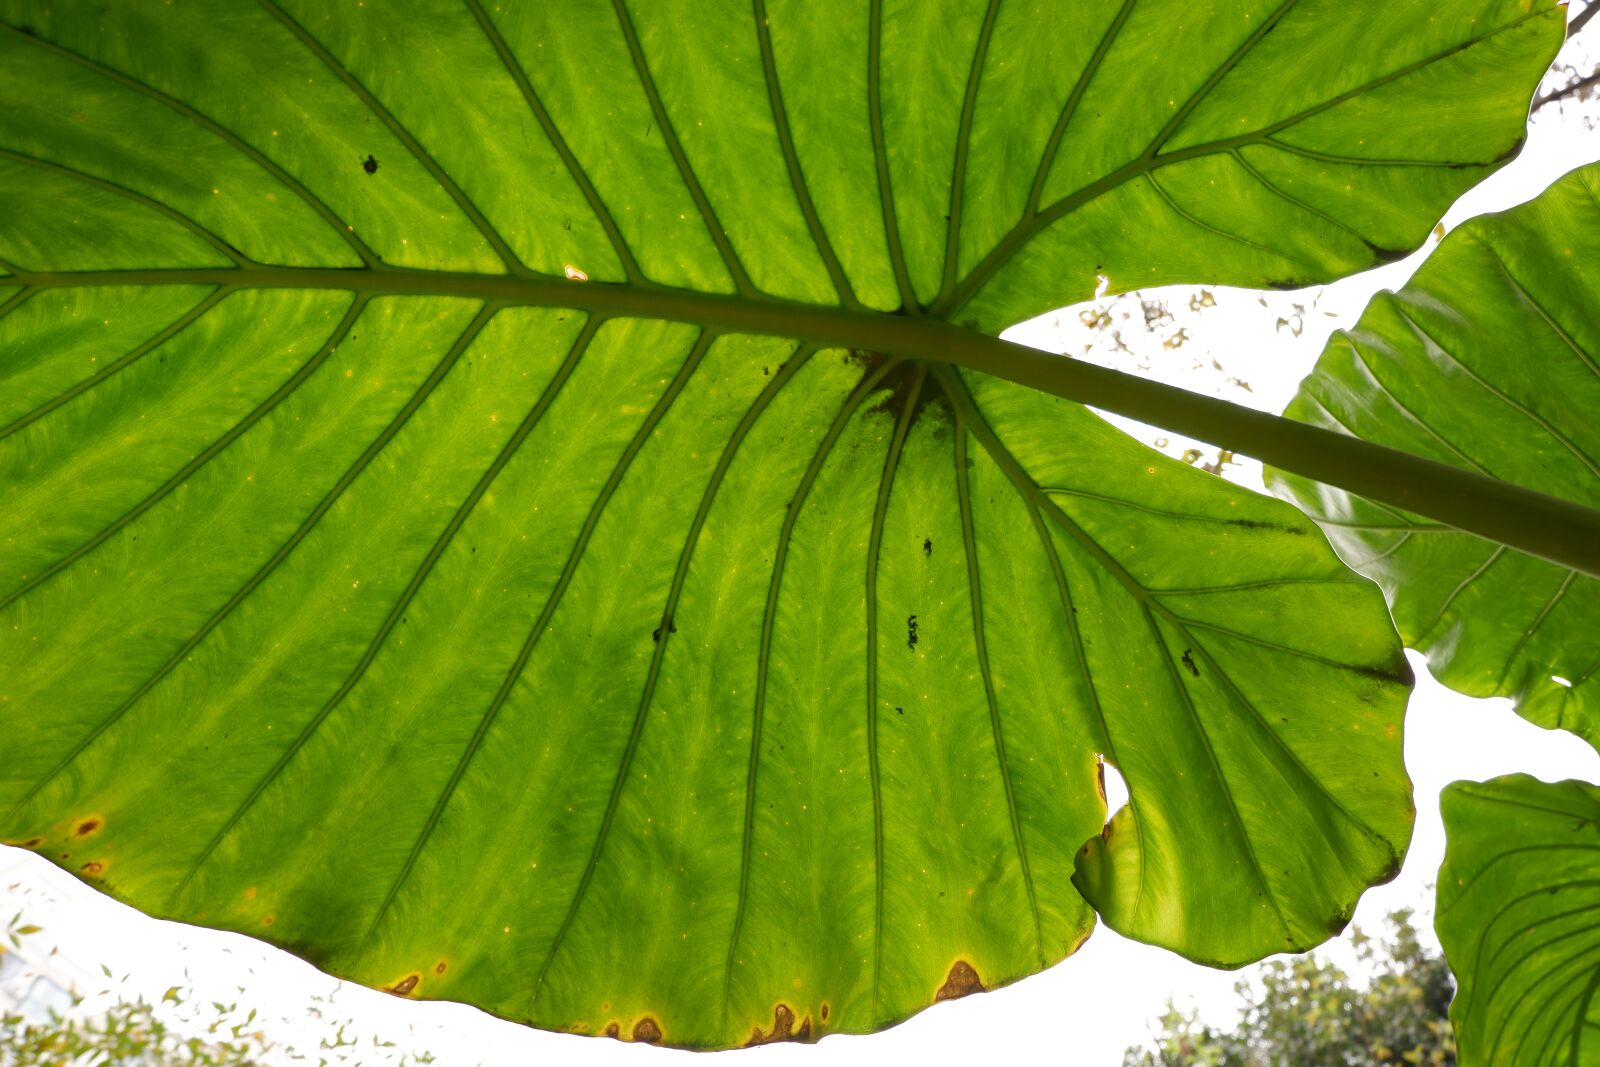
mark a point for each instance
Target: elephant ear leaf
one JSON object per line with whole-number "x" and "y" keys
{"x": 1516, "y": 917}
{"x": 1488, "y": 359}
{"x": 481, "y": 510}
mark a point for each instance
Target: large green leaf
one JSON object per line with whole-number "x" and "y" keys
{"x": 483, "y": 509}
{"x": 1518, "y": 909}
{"x": 1488, "y": 359}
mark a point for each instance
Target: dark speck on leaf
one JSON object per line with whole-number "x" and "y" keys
{"x": 1188, "y": 661}
{"x": 900, "y": 710}
{"x": 927, "y": 546}
{"x": 911, "y": 631}
{"x": 370, "y": 165}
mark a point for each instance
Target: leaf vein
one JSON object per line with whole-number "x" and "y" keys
{"x": 958, "y": 178}
{"x": 167, "y": 333}
{"x": 658, "y": 108}
{"x": 986, "y": 672}
{"x": 486, "y": 721}
{"x": 370, "y": 101}
{"x": 194, "y": 641}
{"x": 602, "y": 214}
{"x": 467, "y": 336}
{"x": 238, "y": 258}
{"x": 679, "y": 574}
{"x": 239, "y": 144}
{"x": 880, "y": 152}
{"x": 791, "y": 160}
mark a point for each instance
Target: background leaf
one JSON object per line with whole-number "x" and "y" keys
{"x": 1517, "y": 919}
{"x": 1488, "y": 359}
{"x": 444, "y": 536}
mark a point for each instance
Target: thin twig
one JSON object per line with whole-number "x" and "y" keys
{"x": 1580, "y": 21}
{"x": 1576, "y": 87}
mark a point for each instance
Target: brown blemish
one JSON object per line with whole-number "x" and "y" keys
{"x": 33, "y": 842}
{"x": 962, "y": 980}
{"x": 647, "y": 1030}
{"x": 824, "y": 1011}
{"x": 440, "y": 967}
{"x": 268, "y": 920}
{"x": 250, "y": 894}
{"x": 782, "y": 1028}
{"x": 405, "y": 985}
{"x": 613, "y": 1029}
{"x": 92, "y": 868}
{"x": 900, "y": 381}
{"x": 86, "y": 827}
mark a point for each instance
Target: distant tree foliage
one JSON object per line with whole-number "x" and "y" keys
{"x": 1309, "y": 1012}
{"x": 114, "y": 1028}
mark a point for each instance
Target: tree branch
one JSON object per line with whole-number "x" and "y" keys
{"x": 1576, "y": 87}
{"x": 1582, "y": 20}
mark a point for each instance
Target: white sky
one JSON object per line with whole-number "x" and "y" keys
{"x": 1083, "y": 1012}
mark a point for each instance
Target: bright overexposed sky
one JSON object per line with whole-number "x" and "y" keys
{"x": 1082, "y": 1012}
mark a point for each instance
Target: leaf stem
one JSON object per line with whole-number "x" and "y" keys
{"x": 1549, "y": 527}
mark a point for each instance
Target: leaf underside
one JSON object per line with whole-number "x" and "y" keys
{"x": 1517, "y": 918}
{"x": 1488, "y": 359}
{"x": 625, "y": 674}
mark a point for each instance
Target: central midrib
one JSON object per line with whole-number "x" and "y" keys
{"x": 1545, "y": 526}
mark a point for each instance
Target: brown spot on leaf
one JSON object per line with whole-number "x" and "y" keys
{"x": 647, "y": 1030}
{"x": 962, "y": 980}
{"x": 268, "y": 920}
{"x": 900, "y": 381}
{"x": 92, "y": 868}
{"x": 369, "y": 165}
{"x": 33, "y": 842}
{"x": 614, "y": 1030}
{"x": 405, "y": 985}
{"x": 86, "y": 827}
{"x": 824, "y": 1011}
{"x": 250, "y": 894}
{"x": 440, "y": 967}
{"x": 782, "y": 1028}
